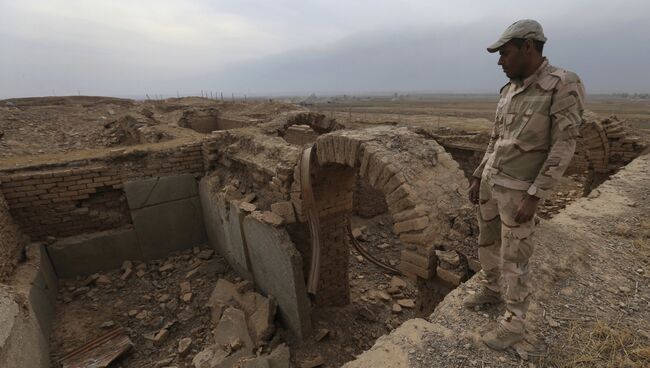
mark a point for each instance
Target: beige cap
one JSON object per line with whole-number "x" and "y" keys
{"x": 525, "y": 28}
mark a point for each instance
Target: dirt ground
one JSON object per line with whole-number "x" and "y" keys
{"x": 51, "y": 129}
{"x": 150, "y": 298}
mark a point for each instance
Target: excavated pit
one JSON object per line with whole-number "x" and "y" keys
{"x": 121, "y": 236}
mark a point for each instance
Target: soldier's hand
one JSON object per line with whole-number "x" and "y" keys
{"x": 474, "y": 190}
{"x": 526, "y": 209}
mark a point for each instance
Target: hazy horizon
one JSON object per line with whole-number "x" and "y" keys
{"x": 120, "y": 48}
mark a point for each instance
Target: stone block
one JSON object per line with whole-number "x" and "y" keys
{"x": 284, "y": 210}
{"x": 452, "y": 277}
{"x": 168, "y": 227}
{"x": 223, "y": 228}
{"x": 22, "y": 339}
{"x": 149, "y": 192}
{"x": 411, "y": 225}
{"x": 90, "y": 253}
{"x": 409, "y": 268}
{"x": 277, "y": 270}
{"x": 416, "y": 259}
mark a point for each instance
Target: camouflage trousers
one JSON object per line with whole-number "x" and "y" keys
{"x": 504, "y": 250}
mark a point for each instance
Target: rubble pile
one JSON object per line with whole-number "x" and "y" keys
{"x": 243, "y": 329}
{"x": 132, "y": 129}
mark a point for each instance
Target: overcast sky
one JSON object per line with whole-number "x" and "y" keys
{"x": 133, "y": 47}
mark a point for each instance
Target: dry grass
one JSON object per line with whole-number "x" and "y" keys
{"x": 602, "y": 345}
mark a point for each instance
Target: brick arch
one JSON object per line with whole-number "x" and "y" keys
{"x": 423, "y": 186}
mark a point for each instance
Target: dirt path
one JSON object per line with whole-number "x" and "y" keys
{"x": 592, "y": 303}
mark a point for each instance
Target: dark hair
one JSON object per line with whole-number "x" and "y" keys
{"x": 519, "y": 42}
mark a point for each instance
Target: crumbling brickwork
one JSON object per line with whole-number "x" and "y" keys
{"x": 300, "y": 135}
{"x": 76, "y": 199}
{"x": 11, "y": 242}
{"x": 333, "y": 187}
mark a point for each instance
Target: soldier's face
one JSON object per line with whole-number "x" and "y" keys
{"x": 512, "y": 60}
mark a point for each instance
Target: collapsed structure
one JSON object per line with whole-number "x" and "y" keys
{"x": 274, "y": 198}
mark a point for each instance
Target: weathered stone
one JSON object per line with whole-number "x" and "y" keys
{"x": 397, "y": 282}
{"x": 184, "y": 345}
{"x": 454, "y": 278}
{"x": 169, "y": 226}
{"x": 415, "y": 258}
{"x": 90, "y": 253}
{"x": 278, "y": 272}
{"x": 411, "y": 225}
{"x": 150, "y": 192}
{"x": 271, "y": 218}
{"x": 210, "y": 357}
{"x": 233, "y": 326}
{"x": 406, "y": 303}
{"x": 284, "y": 210}
{"x": 185, "y": 287}
{"x": 450, "y": 257}
{"x": 160, "y": 337}
{"x": 261, "y": 321}
{"x": 396, "y": 308}
{"x": 280, "y": 357}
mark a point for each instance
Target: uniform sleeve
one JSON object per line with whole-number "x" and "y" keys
{"x": 490, "y": 149}
{"x": 566, "y": 115}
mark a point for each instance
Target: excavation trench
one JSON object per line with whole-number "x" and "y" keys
{"x": 140, "y": 239}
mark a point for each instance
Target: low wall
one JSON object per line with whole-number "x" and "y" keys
{"x": 75, "y": 198}
{"x": 259, "y": 249}
{"x": 11, "y": 242}
{"x": 26, "y": 312}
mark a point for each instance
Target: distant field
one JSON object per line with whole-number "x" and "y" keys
{"x": 464, "y": 112}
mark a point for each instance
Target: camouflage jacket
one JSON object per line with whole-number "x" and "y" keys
{"x": 534, "y": 133}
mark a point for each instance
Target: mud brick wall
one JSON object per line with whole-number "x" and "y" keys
{"x": 261, "y": 164}
{"x": 11, "y": 242}
{"x": 64, "y": 201}
{"x": 368, "y": 201}
{"x": 300, "y": 135}
{"x": 334, "y": 187}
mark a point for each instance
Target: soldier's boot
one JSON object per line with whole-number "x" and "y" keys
{"x": 481, "y": 297}
{"x": 501, "y": 338}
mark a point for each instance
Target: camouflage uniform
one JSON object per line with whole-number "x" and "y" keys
{"x": 531, "y": 146}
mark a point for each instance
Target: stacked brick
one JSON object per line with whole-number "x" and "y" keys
{"x": 594, "y": 145}
{"x": 300, "y": 135}
{"x": 333, "y": 188}
{"x": 264, "y": 163}
{"x": 420, "y": 181}
{"x": 11, "y": 242}
{"x": 623, "y": 147}
{"x": 82, "y": 198}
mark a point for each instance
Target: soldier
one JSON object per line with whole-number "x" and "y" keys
{"x": 532, "y": 143}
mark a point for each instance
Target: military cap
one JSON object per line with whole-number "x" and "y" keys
{"x": 525, "y": 28}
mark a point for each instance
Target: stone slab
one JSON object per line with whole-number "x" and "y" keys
{"x": 27, "y": 312}
{"x": 91, "y": 253}
{"x": 237, "y": 244}
{"x": 168, "y": 227}
{"x": 153, "y": 191}
{"x": 36, "y": 279}
{"x": 277, "y": 270}
{"x": 223, "y": 228}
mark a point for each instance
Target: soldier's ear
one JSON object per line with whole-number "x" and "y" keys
{"x": 530, "y": 45}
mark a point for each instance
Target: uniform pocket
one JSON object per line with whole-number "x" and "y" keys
{"x": 535, "y": 133}
{"x": 517, "y": 242}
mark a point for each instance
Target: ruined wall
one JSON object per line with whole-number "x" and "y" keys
{"x": 300, "y": 135}
{"x": 368, "y": 202}
{"x": 76, "y": 198}
{"x": 11, "y": 242}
